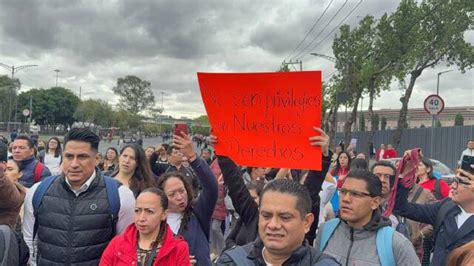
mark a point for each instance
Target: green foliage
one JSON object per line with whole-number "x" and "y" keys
{"x": 53, "y": 106}
{"x": 126, "y": 120}
{"x": 459, "y": 120}
{"x": 135, "y": 94}
{"x": 438, "y": 123}
{"x": 284, "y": 68}
{"x": 7, "y": 97}
{"x": 422, "y": 126}
{"x": 95, "y": 111}
{"x": 201, "y": 130}
{"x": 383, "y": 123}
{"x": 203, "y": 119}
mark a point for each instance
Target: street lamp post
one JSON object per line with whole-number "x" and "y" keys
{"x": 435, "y": 117}
{"x": 57, "y": 75}
{"x": 13, "y": 70}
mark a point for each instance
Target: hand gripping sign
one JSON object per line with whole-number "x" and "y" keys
{"x": 265, "y": 119}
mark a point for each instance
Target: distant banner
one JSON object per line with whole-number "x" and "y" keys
{"x": 265, "y": 119}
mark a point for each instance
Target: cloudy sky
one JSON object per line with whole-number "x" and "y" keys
{"x": 93, "y": 43}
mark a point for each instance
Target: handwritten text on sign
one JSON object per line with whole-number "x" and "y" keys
{"x": 265, "y": 119}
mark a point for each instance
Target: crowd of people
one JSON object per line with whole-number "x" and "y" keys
{"x": 181, "y": 204}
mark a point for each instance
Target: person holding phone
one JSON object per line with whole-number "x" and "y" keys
{"x": 452, "y": 218}
{"x": 189, "y": 216}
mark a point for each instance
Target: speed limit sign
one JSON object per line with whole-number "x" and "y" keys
{"x": 433, "y": 104}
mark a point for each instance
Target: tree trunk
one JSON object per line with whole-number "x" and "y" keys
{"x": 351, "y": 120}
{"x": 402, "y": 118}
{"x": 332, "y": 119}
{"x": 371, "y": 117}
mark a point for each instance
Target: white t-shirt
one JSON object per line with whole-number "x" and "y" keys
{"x": 174, "y": 221}
{"x": 53, "y": 163}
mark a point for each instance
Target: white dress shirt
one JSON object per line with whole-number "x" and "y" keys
{"x": 125, "y": 217}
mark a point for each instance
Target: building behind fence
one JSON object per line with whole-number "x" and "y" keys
{"x": 448, "y": 142}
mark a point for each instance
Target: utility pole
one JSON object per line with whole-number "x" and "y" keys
{"x": 13, "y": 70}
{"x": 57, "y": 75}
{"x": 80, "y": 93}
{"x": 296, "y": 62}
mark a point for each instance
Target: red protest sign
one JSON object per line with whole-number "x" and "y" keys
{"x": 265, "y": 119}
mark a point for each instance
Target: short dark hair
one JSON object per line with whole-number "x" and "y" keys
{"x": 84, "y": 135}
{"x": 207, "y": 149}
{"x": 29, "y": 141}
{"x": 374, "y": 186}
{"x": 170, "y": 149}
{"x": 303, "y": 199}
{"x": 359, "y": 163}
{"x": 3, "y": 152}
{"x": 384, "y": 164}
{"x": 258, "y": 186}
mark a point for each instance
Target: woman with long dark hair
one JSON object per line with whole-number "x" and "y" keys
{"x": 51, "y": 156}
{"x": 134, "y": 170}
{"x": 149, "y": 240}
{"x": 187, "y": 217}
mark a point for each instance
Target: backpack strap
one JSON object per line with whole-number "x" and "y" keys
{"x": 437, "y": 192}
{"x": 38, "y": 197}
{"x": 417, "y": 194}
{"x": 327, "y": 231}
{"x": 112, "y": 186}
{"x": 384, "y": 241}
{"x": 443, "y": 210}
{"x": 37, "y": 172}
{"x": 239, "y": 256}
{"x": 5, "y": 231}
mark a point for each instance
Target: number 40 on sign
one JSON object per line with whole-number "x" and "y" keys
{"x": 433, "y": 104}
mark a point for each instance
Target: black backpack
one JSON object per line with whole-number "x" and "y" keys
{"x": 9, "y": 253}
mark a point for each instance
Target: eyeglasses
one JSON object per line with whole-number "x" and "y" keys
{"x": 353, "y": 193}
{"x": 462, "y": 181}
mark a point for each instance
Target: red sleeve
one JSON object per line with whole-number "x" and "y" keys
{"x": 108, "y": 255}
{"x": 444, "y": 189}
{"x": 183, "y": 251}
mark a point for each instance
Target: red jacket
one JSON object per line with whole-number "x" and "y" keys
{"x": 430, "y": 185}
{"x": 122, "y": 250}
{"x": 390, "y": 153}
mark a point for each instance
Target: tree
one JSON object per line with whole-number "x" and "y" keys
{"x": 51, "y": 107}
{"x": 350, "y": 49}
{"x": 427, "y": 34}
{"x": 361, "y": 122}
{"x": 375, "y": 123}
{"x": 422, "y": 126}
{"x": 135, "y": 94}
{"x": 126, "y": 120}
{"x": 383, "y": 123}
{"x": 8, "y": 97}
{"x": 438, "y": 123}
{"x": 97, "y": 112}
{"x": 203, "y": 119}
{"x": 459, "y": 120}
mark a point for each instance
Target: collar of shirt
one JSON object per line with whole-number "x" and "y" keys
{"x": 462, "y": 217}
{"x": 84, "y": 187}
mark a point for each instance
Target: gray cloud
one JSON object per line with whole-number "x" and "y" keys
{"x": 166, "y": 42}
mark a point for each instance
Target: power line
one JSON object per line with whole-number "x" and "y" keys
{"x": 310, "y": 30}
{"x": 337, "y": 27}
{"x": 322, "y": 30}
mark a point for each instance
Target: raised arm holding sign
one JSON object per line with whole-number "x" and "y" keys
{"x": 265, "y": 119}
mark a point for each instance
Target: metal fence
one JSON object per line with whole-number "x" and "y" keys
{"x": 448, "y": 142}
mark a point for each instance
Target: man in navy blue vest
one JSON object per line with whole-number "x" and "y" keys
{"x": 74, "y": 220}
